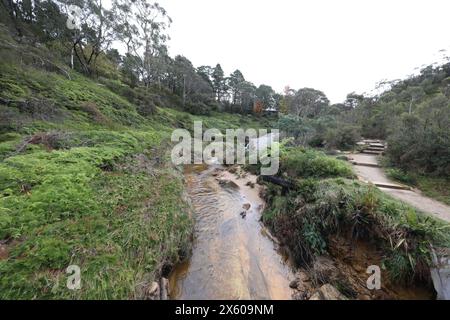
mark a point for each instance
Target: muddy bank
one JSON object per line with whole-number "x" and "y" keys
{"x": 344, "y": 270}
{"x": 232, "y": 255}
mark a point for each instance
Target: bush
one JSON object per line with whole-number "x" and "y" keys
{"x": 306, "y": 163}
{"x": 146, "y": 109}
{"x": 421, "y": 142}
{"x": 401, "y": 176}
{"x": 305, "y": 131}
{"x": 183, "y": 121}
{"x": 344, "y": 137}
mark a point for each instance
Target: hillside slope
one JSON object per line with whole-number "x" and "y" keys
{"x": 85, "y": 180}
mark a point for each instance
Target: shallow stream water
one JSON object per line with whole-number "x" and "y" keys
{"x": 232, "y": 256}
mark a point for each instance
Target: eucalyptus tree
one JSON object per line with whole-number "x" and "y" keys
{"x": 413, "y": 94}
{"x": 189, "y": 84}
{"x": 308, "y": 102}
{"x": 247, "y": 96}
{"x": 125, "y": 27}
{"x": 206, "y": 72}
{"x": 266, "y": 95}
{"x": 219, "y": 82}
{"x": 152, "y": 22}
{"x": 235, "y": 81}
{"x": 95, "y": 32}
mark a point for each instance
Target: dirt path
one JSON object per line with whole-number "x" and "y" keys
{"x": 412, "y": 197}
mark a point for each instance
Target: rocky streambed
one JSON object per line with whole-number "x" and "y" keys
{"x": 233, "y": 255}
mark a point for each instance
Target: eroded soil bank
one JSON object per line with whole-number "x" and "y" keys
{"x": 346, "y": 270}
{"x": 232, "y": 255}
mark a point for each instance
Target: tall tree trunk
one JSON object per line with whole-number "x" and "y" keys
{"x": 71, "y": 58}
{"x": 184, "y": 90}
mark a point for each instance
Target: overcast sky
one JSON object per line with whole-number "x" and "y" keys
{"x": 337, "y": 46}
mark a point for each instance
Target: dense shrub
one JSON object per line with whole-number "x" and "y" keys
{"x": 344, "y": 137}
{"x": 325, "y": 131}
{"x": 400, "y": 175}
{"x": 422, "y": 142}
{"x": 413, "y": 115}
{"x": 305, "y": 163}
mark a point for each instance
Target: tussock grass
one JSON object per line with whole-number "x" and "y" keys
{"x": 79, "y": 206}
{"x": 306, "y": 163}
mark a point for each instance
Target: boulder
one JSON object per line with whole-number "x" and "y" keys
{"x": 327, "y": 292}
{"x": 302, "y": 276}
{"x": 440, "y": 272}
{"x": 228, "y": 183}
{"x": 300, "y": 279}
{"x": 300, "y": 295}
{"x": 153, "y": 291}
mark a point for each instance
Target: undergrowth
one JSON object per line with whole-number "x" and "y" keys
{"x": 321, "y": 205}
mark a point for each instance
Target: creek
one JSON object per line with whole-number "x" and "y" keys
{"x": 233, "y": 256}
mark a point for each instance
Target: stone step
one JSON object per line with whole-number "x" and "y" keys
{"x": 376, "y": 145}
{"x": 371, "y": 141}
{"x": 388, "y": 185}
{"x": 365, "y": 164}
{"x": 374, "y": 148}
{"x": 371, "y": 152}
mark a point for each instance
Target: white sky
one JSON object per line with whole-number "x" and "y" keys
{"x": 337, "y": 46}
